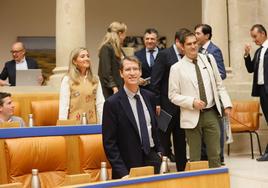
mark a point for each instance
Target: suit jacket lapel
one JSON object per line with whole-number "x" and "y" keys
{"x": 173, "y": 55}
{"x": 146, "y": 65}
{"x": 127, "y": 109}
{"x": 147, "y": 102}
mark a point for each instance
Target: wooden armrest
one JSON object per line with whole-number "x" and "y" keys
{"x": 196, "y": 165}
{"x": 141, "y": 171}
{"x": 76, "y": 179}
{"x": 11, "y": 185}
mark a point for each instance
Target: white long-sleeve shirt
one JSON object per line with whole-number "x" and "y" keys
{"x": 64, "y": 102}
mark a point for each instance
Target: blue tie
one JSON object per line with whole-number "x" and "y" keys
{"x": 151, "y": 57}
{"x": 143, "y": 126}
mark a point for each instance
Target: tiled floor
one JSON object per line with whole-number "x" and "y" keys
{"x": 246, "y": 172}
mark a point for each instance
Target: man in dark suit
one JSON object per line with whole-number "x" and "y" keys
{"x": 19, "y": 62}
{"x": 259, "y": 67}
{"x": 147, "y": 56}
{"x": 159, "y": 84}
{"x": 129, "y": 124}
{"x": 203, "y": 33}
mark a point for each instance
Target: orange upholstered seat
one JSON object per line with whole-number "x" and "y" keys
{"x": 245, "y": 119}
{"x": 45, "y": 112}
{"x": 17, "y": 108}
{"x": 47, "y": 154}
{"x": 91, "y": 155}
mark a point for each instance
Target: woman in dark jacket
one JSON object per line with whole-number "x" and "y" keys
{"x": 110, "y": 55}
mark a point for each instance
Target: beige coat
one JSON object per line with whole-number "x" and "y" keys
{"x": 183, "y": 90}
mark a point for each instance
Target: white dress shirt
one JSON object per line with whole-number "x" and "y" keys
{"x": 206, "y": 79}
{"x": 148, "y": 54}
{"x": 65, "y": 100}
{"x": 260, "y": 70}
{"x": 176, "y": 51}
{"x": 21, "y": 65}
{"x": 133, "y": 105}
{"x": 205, "y": 47}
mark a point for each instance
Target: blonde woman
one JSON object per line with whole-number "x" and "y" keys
{"x": 110, "y": 55}
{"x": 80, "y": 90}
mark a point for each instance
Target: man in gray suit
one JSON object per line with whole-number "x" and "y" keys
{"x": 195, "y": 85}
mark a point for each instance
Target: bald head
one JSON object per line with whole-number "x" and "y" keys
{"x": 18, "y": 51}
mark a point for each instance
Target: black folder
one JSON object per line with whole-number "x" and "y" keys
{"x": 163, "y": 120}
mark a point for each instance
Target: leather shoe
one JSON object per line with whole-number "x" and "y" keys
{"x": 263, "y": 158}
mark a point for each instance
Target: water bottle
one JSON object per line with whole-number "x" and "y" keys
{"x": 164, "y": 165}
{"x": 84, "y": 119}
{"x": 35, "y": 183}
{"x": 103, "y": 172}
{"x": 31, "y": 124}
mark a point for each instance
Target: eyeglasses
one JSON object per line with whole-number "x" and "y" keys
{"x": 15, "y": 51}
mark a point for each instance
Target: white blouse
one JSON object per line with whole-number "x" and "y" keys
{"x": 64, "y": 102}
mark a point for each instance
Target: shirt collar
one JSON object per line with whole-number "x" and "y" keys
{"x": 130, "y": 94}
{"x": 265, "y": 44}
{"x": 22, "y": 60}
{"x": 205, "y": 46}
{"x": 176, "y": 51}
{"x": 188, "y": 59}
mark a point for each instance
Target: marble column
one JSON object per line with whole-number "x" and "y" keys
{"x": 70, "y": 33}
{"x": 214, "y": 13}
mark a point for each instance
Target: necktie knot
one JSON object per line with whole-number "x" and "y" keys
{"x": 137, "y": 97}
{"x": 151, "y": 51}
{"x": 195, "y": 61}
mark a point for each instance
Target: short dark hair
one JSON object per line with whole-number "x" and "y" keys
{"x": 180, "y": 32}
{"x": 185, "y": 35}
{"x": 150, "y": 31}
{"x": 129, "y": 58}
{"x": 206, "y": 29}
{"x": 2, "y": 96}
{"x": 260, "y": 28}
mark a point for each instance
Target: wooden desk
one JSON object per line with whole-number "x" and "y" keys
{"x": 210, "y": 178}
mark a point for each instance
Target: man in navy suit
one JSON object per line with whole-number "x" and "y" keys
{"x": 159, "y": 84}
{"x": 259, "y": 67}
{"x": 129, "y": 125}
{"x": 147, "y": 55}
{"x": 203, "y": 33}
{"x": 19, "y": 62}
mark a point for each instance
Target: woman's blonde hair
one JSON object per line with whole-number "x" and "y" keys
{"x": 74, "y": 73}
{"x": 112, "y": 37}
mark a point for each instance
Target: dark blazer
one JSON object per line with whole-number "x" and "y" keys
{"x": 9, "y": 70}
{"x": 216, "y": 52}
{"x": 121, "y": 139}
{"x": 253, "y": 67}
{"x": 146, "y": 69}
{"x": 109, "y": 70}
{"x": 160, "y": 76}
